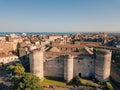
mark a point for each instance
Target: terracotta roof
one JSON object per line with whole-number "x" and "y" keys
{"x": 54, "y": 49}
{"x": 4, "y": 55}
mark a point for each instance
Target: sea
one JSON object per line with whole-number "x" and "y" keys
{"x": 29, "y": 33}
{"x": 60, "y": 33}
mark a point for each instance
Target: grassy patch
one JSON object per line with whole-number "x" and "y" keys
{"x": 84, "y": 82}
{"x": 87, "y": 83}
{"x": 47, "y": 82}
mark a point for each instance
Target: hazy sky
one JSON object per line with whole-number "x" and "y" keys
{"x": 59, "y": 15}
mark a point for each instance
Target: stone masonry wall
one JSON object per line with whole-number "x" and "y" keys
{"x": 54, "y": 67}
{"x": 85, "y": 66}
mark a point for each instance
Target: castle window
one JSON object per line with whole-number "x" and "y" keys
{"x": 91, "y": 62}
{"x": 66, "y": 48}
{"x": 78, "y": 60}
{"x": 58, "y": 60}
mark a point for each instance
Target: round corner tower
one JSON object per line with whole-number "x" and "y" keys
{"x": 103, "y": 65}
{"x": 36, "y": 63}
{"x": 68, "y": 68}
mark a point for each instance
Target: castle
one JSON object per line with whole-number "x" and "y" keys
{"x": 68, "y": 61}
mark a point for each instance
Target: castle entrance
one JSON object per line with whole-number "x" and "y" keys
{"x": 79, "y": 74}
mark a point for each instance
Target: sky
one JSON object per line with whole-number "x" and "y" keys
{"x": 59, "y": 15}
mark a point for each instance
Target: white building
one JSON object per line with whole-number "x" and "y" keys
{"x": 7, "y": 59}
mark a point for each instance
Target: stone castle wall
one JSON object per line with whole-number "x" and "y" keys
{"x": 69, "y": 66}
{"x": 56, "y": 67}
{"x": 103, "y": 65}
{"x": 84, "y": 66}
{"x": 36, "y": 63}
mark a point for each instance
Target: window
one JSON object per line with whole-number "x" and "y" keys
{"x": 66, "y": 48}
{"x": 78, "y": 60}
{"x": 81, "y": 58}
{"x": 91, "y": 62}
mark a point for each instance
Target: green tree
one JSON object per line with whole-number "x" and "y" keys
{"x": 27, "y": 81}
{"x": 109, "y": 85}
{"x": 16, "y": 69}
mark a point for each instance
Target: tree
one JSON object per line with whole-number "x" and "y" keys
{"x": 116, "y": 57}
{"x": 27, "y": 81}
{"x": 16, "y": 69}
